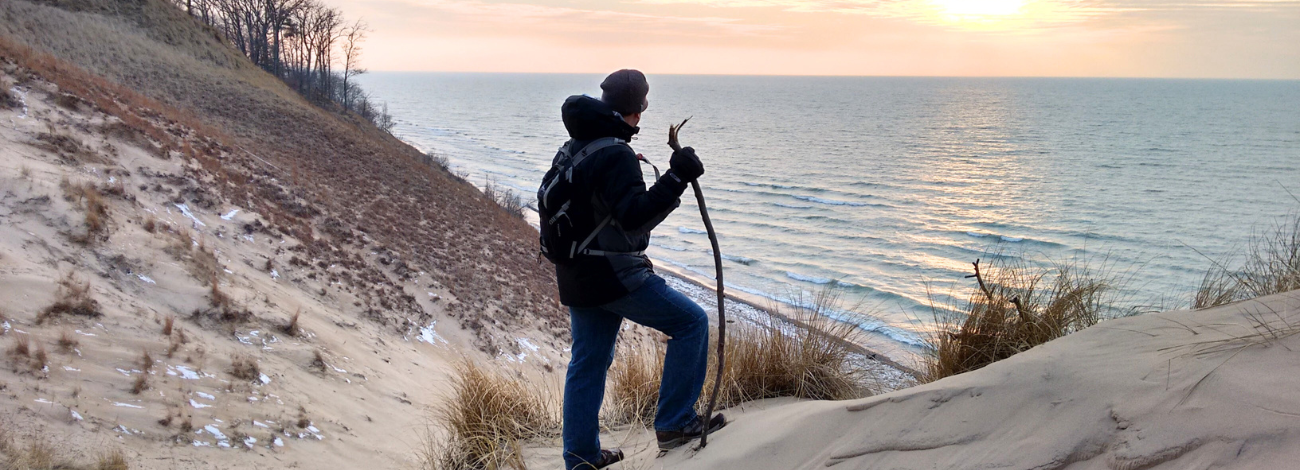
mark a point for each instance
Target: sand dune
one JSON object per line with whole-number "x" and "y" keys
{"x": 1175, "y": 390}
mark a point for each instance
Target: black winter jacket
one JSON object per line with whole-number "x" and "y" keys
{"x": 611, "y": 180}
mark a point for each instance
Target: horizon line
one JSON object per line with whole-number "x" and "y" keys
{"x": 1109, "y": 77}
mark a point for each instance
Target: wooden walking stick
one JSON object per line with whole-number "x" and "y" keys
{"x": 722, "y": 315}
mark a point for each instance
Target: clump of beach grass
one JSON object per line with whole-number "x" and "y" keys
{"x": 1271, "y": 266}
{"x": 798, "y": 352}
{"x": 1014, "y": 307}
{"x": 72, "y": 297}
{"x": 243, "y": 366}
{"x": 486, "y": 417}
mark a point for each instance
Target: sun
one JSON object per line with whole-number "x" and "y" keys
{"x": 979, "y": 10}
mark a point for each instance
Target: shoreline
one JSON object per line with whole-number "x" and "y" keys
{"x": 709, "y": 302}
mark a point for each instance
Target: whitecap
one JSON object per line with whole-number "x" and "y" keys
{"x": 690, "y": 230}
{"x": 831, "y": 202}
{"x": 805, "y": 278}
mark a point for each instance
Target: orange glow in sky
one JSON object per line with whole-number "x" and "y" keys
{"x": 1126, "y": 38}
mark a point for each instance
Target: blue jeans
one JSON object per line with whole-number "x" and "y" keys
{"x": 655, "y": 305}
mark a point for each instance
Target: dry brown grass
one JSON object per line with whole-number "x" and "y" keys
{"x": 69, "y": 149}
{"x": 808, "y": 357}
{"x": 1013, "y": 308}
{"x": 292, "y": 328}
{"x": 632, "y": 392}
{"x": 169, "y": 322}
{"x": 244, "y": 367}
{"x": 146, "y": 360}
{"x": 112, "y": 460}
{"x": 71, "y": 298}
{"x": 140, "y": 383}
{"x": 7, "y": 99}
{"x": 486, "y": 417}
{"x": 150, "y": 224}
{"x": 67, "y": 341}
{"x": 21, "y": 347}
{"x": 1272, "y": 266}
{"x": 90, "y": 200}
{"x": 38, "y": 454}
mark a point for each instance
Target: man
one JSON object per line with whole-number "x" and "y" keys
{"x": 602, "y": 290}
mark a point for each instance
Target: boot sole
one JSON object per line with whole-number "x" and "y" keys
{"x": 681, "y": 441}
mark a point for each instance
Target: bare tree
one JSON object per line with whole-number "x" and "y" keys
{"x": 352, "y": 37}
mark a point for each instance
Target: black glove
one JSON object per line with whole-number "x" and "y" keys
{"x": 685, "y": 165}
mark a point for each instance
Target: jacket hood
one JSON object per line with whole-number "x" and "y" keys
{"x": 588, "y": 118}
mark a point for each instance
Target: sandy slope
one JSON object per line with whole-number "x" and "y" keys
{"x": 1173, "y": 390}
{"x": 364, "y": 406}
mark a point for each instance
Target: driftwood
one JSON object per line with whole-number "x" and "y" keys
{"x": 722, "y": 315}
{"x": 1015, "y": 301}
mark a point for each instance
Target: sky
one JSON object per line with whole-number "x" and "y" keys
{"x": 1072, "y": 38}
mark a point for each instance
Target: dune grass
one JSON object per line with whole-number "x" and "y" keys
{"x": 71, "y": 298}
{"x": 808, "y": 357}
{"x": 1014, "y": 307}
{"x": 483, "y": 422}
{"x": 1271, "y": 266}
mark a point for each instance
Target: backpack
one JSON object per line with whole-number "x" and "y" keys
{"x": 563, "y": 237}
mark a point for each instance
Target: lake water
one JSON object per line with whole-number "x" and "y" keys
{"x": 888, "y": 188}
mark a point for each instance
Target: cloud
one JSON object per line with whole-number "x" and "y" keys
{"x": 528, "y": 18}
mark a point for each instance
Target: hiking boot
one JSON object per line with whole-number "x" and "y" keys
{"x": 608, "y": 457}
{"x": 674, "y": 439}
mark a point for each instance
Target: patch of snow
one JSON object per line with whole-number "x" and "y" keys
{"x": 274, "y": 274}
{"x": 185, "y": 210}
{"x": 230, "y": 215}
{"x": 197, "y": 405}
{"x": 76, "y": 416}
{"x": 83, "y": 333}
{"x": 42, "y": 400}
{"x": 249, "y": 441}
{"x": 145, "y": 278}
{"x": 260, "y": 424}
{"x": 429, "y": 335}
{"x": 185, "y": 372}
{"x": 127, "y": 405}
{"x": 5, "y": 326}
{"x": 278, "y": 442}
{"x": 265, "y": 380}
{"x": 126, "y": 373}
{"x": 198, "y": 443}
{"x": 527, "y": 344}
{"x": 214, "y": 431}
{"x": 205, "y": 395}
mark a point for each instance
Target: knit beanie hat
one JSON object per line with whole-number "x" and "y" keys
{"x": 625, "y": 91}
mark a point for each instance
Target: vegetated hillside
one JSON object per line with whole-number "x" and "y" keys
{"x": 345, "y": 183}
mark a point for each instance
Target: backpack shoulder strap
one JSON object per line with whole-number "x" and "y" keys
{"x": 596, "y": 146}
